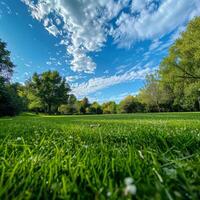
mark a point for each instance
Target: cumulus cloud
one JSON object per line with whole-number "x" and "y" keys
{"x": 99, "y": 83}
{"x": 84, "y": 25}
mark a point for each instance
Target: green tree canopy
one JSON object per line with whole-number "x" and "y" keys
{"x": 109, "y": 107}
{"x": 184, "y": 55}
{"x": 94, "y": 108}
{"x": 130, "y": 105}
{"x": 180, "y": 70}
{"x": 50, "y": 88}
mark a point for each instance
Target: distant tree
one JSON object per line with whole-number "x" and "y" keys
{"x": 65, "y": 109}
{"x": 130, "y": 105}
{"x": 71, "y": 99}
{"x": 84, "y": 104}
{"x": 51, "y": 89}
{"x": 94, "y": 108}
{"x": 77, "y": 106}
{"x": 109, "y": 107}
{"x": 70, "y": 107}
{"x": 151, "y": 94}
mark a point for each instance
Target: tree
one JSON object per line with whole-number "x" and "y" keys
{"x": 180, "y": 70}
{"x": 94, "y": 108}
{"x": 51, "y": 89}
{"x": 71, "y": 99}
{"x": 6, "y": 65}
{"x": 10, "y": 101}
{"x": 65, "y": 109}
{"x": 191, "y": 100}
{"x": 130, "y": 105}
{"x": 84, "y": 104}
{"x": 151, "y": 95}
{"x": 184, "y": 54}
{"x": 109, "y": 107}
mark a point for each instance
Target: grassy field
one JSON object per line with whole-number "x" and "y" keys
{"x": 137, "y": 156}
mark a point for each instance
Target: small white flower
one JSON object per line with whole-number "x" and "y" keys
{"x": 128, "y": 181}
{"x": 19, "y": 138}
{"x": 130, "y": 189}
{"x": 109, "y": 194}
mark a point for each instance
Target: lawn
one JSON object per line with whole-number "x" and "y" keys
{"x": 136, "y": 156}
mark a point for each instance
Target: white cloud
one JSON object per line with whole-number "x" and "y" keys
{"x": 148, "y": 25}
{"x": 27, "y": 65}
{"x": 49, "y": 63}
{"x": 158, "y": 46}
{"x": 96, "y": 84}
{"x": 155, "y": 44}
{"x": 46, "y": 22}
{"x": 138, "y": 5}
{"x": 53, "y": 30}
{"x": 85, "y": 24}
{"x": 72, "y": 78}
{"x": 58, "y": 21}
{"x": 30, "y": 25}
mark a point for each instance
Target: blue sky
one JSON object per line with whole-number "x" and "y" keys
{"x": 104, "y": 48}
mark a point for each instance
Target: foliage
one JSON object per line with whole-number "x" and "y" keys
{"x": 10, "y": 102}
{"x": 84, "y": 104}
{"x": 130, "y": 105}
{"x": 6, "y": 65}
{"x": 94, "y": 108}
{"x": 184, "y": 55}
{"x": 65, "y": 109}
{"x": 51, "y": 89}
{"x": 109, "y": 107}
{"x": 152, "y": 94}
{"x": 176, "y": 85}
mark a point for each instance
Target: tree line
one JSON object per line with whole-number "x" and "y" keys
{"x": 175, "y": 86}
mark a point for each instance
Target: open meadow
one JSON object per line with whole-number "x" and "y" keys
{"x": 142, "y": 156}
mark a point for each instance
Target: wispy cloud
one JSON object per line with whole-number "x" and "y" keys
{"x": 99, "y": 83}
{"x": 153, "y": 21}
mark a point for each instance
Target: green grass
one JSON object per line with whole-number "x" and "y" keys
{"x": 89, "y": 157}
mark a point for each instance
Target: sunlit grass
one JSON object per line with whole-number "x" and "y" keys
{"x": 91, "y": 157}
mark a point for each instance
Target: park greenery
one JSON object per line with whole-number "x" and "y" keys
{"x": 175, "y": 86}
{"x": 108, "y": 155}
